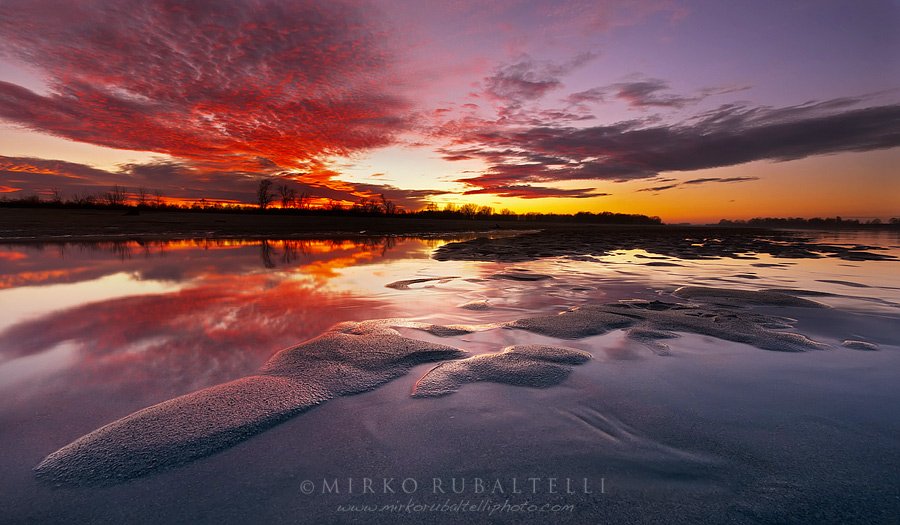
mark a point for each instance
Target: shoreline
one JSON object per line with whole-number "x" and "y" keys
{"x": 34, "y": 225}
{"x": 43, "y": 225}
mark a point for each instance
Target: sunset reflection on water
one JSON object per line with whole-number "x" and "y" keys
{"x": 176, "y": 316}
{"x": 157, "y": 319}
{"x": 154, "y": 319}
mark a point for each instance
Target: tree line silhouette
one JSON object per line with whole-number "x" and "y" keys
{"x": 274, "y": 198}
{"x": 815, "y": 222}
{"x": 283, "y": 199}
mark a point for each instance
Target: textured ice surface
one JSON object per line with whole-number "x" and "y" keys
{"x": 859, "y": 345}
{"x": 348, "y": 359}
{"x": 477, "y": 305}
{"x": 684, "y": 243}
{"x": 650, "y": 338}
{"x": 405, "y": 284}
{"x": 523, "y": 365}
{"x": 573, "y": 324}
{"x": 651, "y": 317}
{"x": 354, "y": 357}
{"x": 521, "y": 275}
{"x": 744, "y": 297}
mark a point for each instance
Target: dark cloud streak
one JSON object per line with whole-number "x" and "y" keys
{"x": 694, "y": 182}
{"x": 527, "y": 191}
{"x": 630, "y": 150}
{"x": 720, "y": 179}
{"x": 649, "y": 93}
{"x": 659, "y": 188}
{"x": 643, "y": 94}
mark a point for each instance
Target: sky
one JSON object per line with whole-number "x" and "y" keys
{"x": 693, "y": 111}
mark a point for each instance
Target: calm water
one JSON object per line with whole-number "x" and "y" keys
{"x": 93, "y": 332}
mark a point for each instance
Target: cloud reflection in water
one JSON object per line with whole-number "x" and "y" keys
{"x": 227, "y": 306}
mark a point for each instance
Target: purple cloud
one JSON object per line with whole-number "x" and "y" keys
{"x": 727, "y": 136}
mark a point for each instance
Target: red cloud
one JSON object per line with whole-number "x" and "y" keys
{"x": 237, "y": 84}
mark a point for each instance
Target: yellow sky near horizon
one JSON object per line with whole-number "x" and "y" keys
{"x": 850, "y": 185}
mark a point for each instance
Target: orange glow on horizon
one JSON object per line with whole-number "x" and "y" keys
{"x": 812, "y": 187}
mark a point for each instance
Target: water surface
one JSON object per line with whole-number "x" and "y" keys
{"x": 92, "y": 332}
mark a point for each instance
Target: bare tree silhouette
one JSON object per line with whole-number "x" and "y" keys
{"x": 142, "y": 195}
{"x": 303, "y": 200}
{"x": 56, "y": 195}
{"x": 264, "y": 194}
{"x": 288, "y": 196}
{"x": 115, "y": 196}
{"x": 388, "y": 206}
{"x": 469, "y": 211}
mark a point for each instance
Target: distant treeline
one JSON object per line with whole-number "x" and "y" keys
{"x": 816, "y": 222}
{"x": 292, "y": 204}
{"x": 486, "y": 212}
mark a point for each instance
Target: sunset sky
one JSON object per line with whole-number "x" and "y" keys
{"x": 693, "y": 111}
